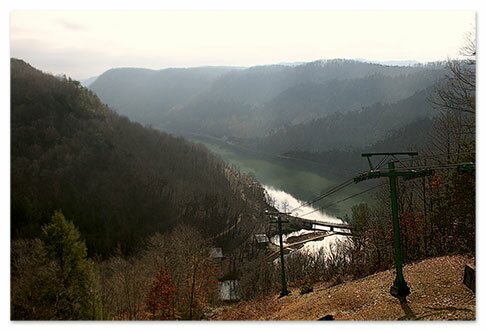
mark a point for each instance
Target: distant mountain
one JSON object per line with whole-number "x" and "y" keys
{"x": 118, "y": 181}
{"x": 256, "y": 101}
{"x": 143, "y": 94}
{"x": 305, "y": 102}
{"x": 398, "y": 63}
{"x": 260, "y": 84}
{"x": 351, "y": 129}
{"x": 415, "y": 136}
{"x": 88, "y": 81}
{"x": 291, "y": 64}
{"x": 392, "y": 62}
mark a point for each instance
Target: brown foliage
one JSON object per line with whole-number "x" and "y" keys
{"x": 160, "y": 300}
{"x": 171, "y": 277}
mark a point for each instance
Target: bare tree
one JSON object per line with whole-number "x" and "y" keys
{"x": 455, "y": 98}
{"x": 193, "y": 271}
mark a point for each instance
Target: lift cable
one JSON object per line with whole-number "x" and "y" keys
{"x": 325, "y": 194}
{"x": 342, "y": 200}
{"x": 436, "y": 167}
{"x": 346, "y": 183}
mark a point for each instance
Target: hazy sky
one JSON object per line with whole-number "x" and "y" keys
{"x": 81, "y": 44}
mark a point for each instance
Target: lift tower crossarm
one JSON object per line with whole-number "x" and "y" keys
{"x": 410, "y": 174}
{"x": 369, "y": 155}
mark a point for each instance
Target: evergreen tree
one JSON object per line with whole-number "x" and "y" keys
{"x": 78, "y": 297}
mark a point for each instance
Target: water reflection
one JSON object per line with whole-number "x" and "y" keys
{"x": 285, "y": 202}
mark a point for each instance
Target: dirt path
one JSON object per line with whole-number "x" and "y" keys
{"x": 437, "y": 294}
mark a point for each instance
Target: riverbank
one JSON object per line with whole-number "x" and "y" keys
{"x": 300, "y": 178}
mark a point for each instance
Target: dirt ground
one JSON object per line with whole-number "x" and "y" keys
{"x": 437, "y": 293}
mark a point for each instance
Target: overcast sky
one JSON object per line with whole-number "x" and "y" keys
{"x": 81, "y": 44}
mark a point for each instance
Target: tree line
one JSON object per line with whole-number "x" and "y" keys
{"x": 171, "y": 276}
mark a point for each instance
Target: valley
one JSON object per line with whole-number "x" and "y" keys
{"x": 167, "y": 184}
{"x": 300, "y": 178}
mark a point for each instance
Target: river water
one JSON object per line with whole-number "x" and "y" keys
{"x": 285, "y": 202}
{"x": 289, "y": 183}
{"x": 299, "y": 178}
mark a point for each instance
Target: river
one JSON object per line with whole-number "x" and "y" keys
{"x": 285, "y": 202}
{"x": 300, "y": 179}
{"x": 289, "y": 183}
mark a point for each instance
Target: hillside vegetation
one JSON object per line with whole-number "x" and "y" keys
{"x": 253, "y": 102}
{"x": 353, "y": 129}
{"x": 325, "y": 111}
{"x": 438, "y": 293}
{"x": 144, "y": 95}
{"x": 114, "y": 220}
{"x": 117, "y": 180}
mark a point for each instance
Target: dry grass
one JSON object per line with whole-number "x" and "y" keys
{"x": 437, "y": 294}
{"x": 256, "y": 310}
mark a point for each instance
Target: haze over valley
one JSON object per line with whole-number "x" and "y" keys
{"x": 339, "y": 107}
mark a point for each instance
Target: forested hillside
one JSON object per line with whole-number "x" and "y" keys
{"x": 118, "y": 181}
{"x": 253, "y": 102}
{"x": 350, "y": 130}
{"x": 144, "y": 95}
{"x": 415, "y": 136}
{"x": 310, "y": 101}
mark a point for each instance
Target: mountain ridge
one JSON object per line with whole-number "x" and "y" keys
{"x": 254, "y": 101}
